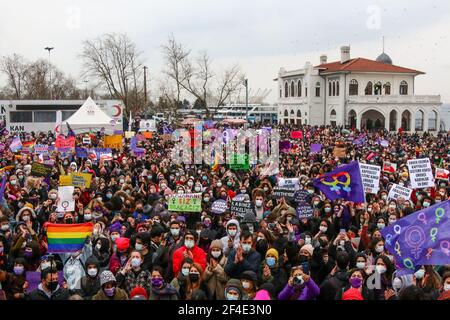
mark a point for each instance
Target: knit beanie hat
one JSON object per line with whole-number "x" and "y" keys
{"x": 107, "y": 276}
{"x": 216, "y": 244}
{"x": 309, "y": 248}
{"x": 138, "y": 292}
{"x": 273, "y": 252}
{"x": 122, "y": 243}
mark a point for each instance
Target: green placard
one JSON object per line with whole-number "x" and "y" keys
{"x": 240, "y": 162}
{"x": 191, "y": 202}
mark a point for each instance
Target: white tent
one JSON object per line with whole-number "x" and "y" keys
{"x": 90, "y": 118}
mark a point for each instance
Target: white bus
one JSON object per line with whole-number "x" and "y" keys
{"x": 40, "y": 115}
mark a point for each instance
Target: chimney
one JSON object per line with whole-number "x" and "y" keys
{"x": 323, "y": 59}
{"x": 345, "y": 54}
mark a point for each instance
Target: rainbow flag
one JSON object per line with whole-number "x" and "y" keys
{"x": 63, "y": 238}
{"x": 27, "y": 147}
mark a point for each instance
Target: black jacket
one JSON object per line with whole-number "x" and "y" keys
{"x": 332, "y": 285}
{"x": 252, "y": 261}
{"x": 60, "y": 294}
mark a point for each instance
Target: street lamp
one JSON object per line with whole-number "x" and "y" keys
{"x": 86, "y": 86}
{"x": 49, "y": 70}
{"x": 246, "y": 98}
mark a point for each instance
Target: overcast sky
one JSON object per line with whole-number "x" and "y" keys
{"x": 260, "y": 35}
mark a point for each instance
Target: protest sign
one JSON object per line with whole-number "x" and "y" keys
{"x": 296, "y": 135}
{"x": 286, "y": 192}
{"x": 41, "y": 149}
{"x": 81, "y": 179}
{"x": 370, "y": 176}
{"x": 219, "y": 206}
{"x": 113, "y": 142}
{"x": 66, "y": 202}
{"x": 420, "y": 173}
{"x": 316, "y": 148}
{"x": 190, "y": 202}
{"x": 240, "y": 162}
{"x": 65, "y": 180}
{"x": 304, "y": 211}
{"x": 147, "y": 135}
{"x": 40, "y": 170}
{"x": 81, "y": 152}
{"x": 289, "y": 182}
{"x": 62, "y": 143}
{"x": 15, "y": 145}
{"x": 129, "y": 134}
{"x": 86, "y": 140}
{"x": 28, "y": 146}
{"x": 104, "y": 154}
{"x": 398, "y": 191}
{"x": 442, "y": 174}
{"x": 389, "y": 167}
{"x": 302, "y": 197}
{"x": 241, "y": 209}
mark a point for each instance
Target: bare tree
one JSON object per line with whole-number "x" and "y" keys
{"x": 14, "y": 67}
{"x": 198, "y": 78}
{"x": 115, "y": 62}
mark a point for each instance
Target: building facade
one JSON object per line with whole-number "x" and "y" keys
{"x": 357, "y": 93}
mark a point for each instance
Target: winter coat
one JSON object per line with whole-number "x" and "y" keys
{"x": 309, "y": 291}
{"x": 118, "y": 295}
{"x": 39, "y": 294}
{"x": 199, "y": 256}
{"x": 167, "y": 292}
{"x": 251, "y": 261}
{"x": 133, "y": 279}
{"x": 333, "y": 284}
{"x": 226, "y": 249}
{"x": 216, "y": 279}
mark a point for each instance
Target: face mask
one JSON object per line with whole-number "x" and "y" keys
{"x": 114, "y": 237}
{"x": 52, "y": 285}
{"x": 138, "y": 246}
{"x": 259, "y": 238}
{"x": 189, "y": 243}
{"x": 28, "y": 254}
{"x": 426, "y": 204}
{"x": 216, "y": 254}
{"x": 180, "y": 191}
{"x": 52, "y": 196}
{"x": 258, "y": 203}
{"x": 5, "y": 227}
{"x": 381, "y": 269}
{"x": 397, "y": 284}
{"x": 323, "y": 229}
{"x": 270, "y": 261}
{"x": 307, "y": 240}
{"x": 437, "y": 200}
{"x": 355, "y": 282}
{"x": 197, "y": 188}
{"x": 310, "y": 191}
{"x": 175, "y": 232}
{"x": 369, "y": 210}
{"x": 243, "y": 191}
{"x": 87, "y": 216}
{"x": 380, "y": 226}
{"x": 206, "y": 199}
{"x": 185, "y": 272}
{"x": 109, "y": 195}
{"x": 110, "y": 292}
{"x": 13, "y": 182}
{"x": 384, "y": 197}
{"x": 121, "y": 181}
{"x": 136, "y": 262}
{"x": 327, "y": 210}
{"x": 219, "y": 184}
{"x": 379, "y": 249}
{"x": 204, "y": 178}
{"x": 26, "y": 218}
{"x": 392, "y": 221}
{"x": 360, "y": 265}
{"x": 447, "y": 287}
{"x": 232, "y": 232}
{"x": 232, "y": 297}
{"x": 246, "y": 247}
{"x": 18, "y": 270}
{"x": 157, "y": 282}
{"x": 419, "y": 273}
{"x": 194, "y": 277}
{"x": 92, "y": 272}
{"x": 245, "y": 284}
{"x": 393, "y": 206}
{"x": 98, "y": 246}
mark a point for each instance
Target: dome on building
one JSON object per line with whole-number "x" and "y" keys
{"x": 384, "y": 58}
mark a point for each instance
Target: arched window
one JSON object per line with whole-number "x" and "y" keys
{"x": 419, "y": 121}
{"x": 387, "y": 88}
{"x": 334, "y": 88}
{"x": 330, "y": 90}
{"x": 368, "y": 90}
{"x": 299, "y": 114}
{"x": 404, "y": 88}
{"x": 432, "y": 121}
{"x": 292, "y": 113}
{"x": 333, "y": 113}
{"x": 353, "y": 90}
{"x": 281, "y": 93}
{"x": 317, "y": 89}
{"x": 286, "y": 113}
{"x": 306, "y": 89}
{"x": 286, "y": 90}
{"x": 377, "y": 88}
{"x": 292, "y": 89}
{"x": 337, "y": 88}
{"x": 299, "y": 88}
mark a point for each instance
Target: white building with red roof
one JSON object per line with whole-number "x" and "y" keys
{"x": 356, "y": 92}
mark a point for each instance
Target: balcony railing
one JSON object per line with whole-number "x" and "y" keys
{"x": 429, "y": 99}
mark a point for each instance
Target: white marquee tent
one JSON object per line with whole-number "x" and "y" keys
{"x": 90, "y": 118}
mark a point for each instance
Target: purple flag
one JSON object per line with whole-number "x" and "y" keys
{"x": 421, "y": 238}
{"x": 285, "y": 145}
{"x": 2, "y": 187}
{"x": 316, "y": 148}
{"x": 343, "y": 182}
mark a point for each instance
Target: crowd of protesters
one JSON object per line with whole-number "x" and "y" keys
{"x": 141, "y": 250}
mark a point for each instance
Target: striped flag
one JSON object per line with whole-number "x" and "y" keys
{"x": 63, "y": 238}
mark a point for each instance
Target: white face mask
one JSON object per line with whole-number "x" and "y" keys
{"x": 258, "y": 203}
{"x": 45, "y": 265}
{"x": 92, "y": 272}
{"x": 381, "y": 269}
{"x": 219, "y": 184}
{"x": 380, "y": 226}
{"x": 307, "y": 240}
{"x": 216, "y": 254}
{"x": 379, "y": 249}
{"x": 98, "y": 246}
{"x": 360, "y": 265}
{"x": 245, "y": 284}
{"x": 189, "y": 243}
{"x": 136, "y": 262}
{"x": 198, "y": 189}
{"x": 323, "y": 228}
{"x": 232, "y": 232}
{"x": 175, "y": 232}
{"x": 419, "y": 273}
{"x": 185, "y": 272}
{"x": 138, "y": 246}
{"x": 397, "y": 284}
{"x": 447, "y": 287}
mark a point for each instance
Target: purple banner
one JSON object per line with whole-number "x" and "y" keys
{"x": 316, "y": 148}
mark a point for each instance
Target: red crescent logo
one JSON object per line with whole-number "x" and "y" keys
{"x": 119, "y": 111}
{"x": 57, "y": 128}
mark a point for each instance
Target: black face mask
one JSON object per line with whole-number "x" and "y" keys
{"x": 69, "y": 221}
{"x": 303, "y": 259}
{"x": 194, "y": 277}
{"x": 52, "y": 285}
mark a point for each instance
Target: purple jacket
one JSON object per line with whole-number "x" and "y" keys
{"x": 309, "y": 292}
